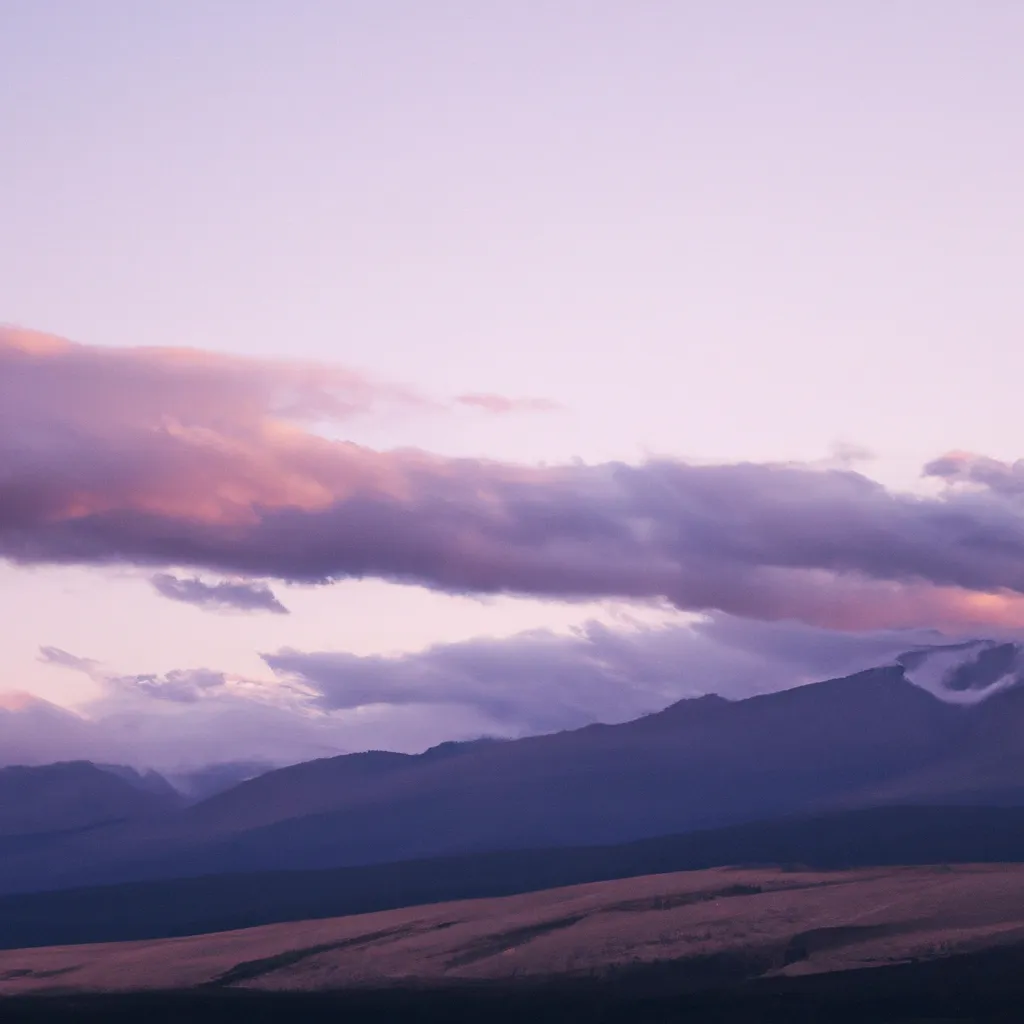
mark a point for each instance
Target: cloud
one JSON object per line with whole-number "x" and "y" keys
{"x": 502, "y": 405}
{"x": 179, "y": 686}
{"x": 322, "y": 703}
{"x": 182, "y": 686}
{"x": 181, "y": 738}
{"x": 844, "y": 454}
{"x": 165, "y": 458}
{"x": 979, "y": 471}
{"x": 55, "y": 656}
{"x": 188, "y": 719}
{"x": 179, "y": 720}
{"x": 241, "y": 595}
{"x": 543, "y": 681}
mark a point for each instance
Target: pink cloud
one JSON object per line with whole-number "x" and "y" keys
{"x": 169, "y": 458}
{"x": 501, "y": 405}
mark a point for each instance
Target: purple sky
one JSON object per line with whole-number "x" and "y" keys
{"x": 735, "y": 233}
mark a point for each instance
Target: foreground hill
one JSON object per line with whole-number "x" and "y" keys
{"x": 986, "y": 985}
{"x": 699, "y": 929}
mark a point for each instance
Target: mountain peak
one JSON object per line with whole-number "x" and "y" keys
{"x": 689, "y": 709}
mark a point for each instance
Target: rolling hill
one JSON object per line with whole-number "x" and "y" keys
{"x": 701, "y": 929}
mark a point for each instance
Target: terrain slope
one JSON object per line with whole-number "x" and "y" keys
{"x": 713, "y": 927}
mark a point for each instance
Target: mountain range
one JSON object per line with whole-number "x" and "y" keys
{"x": 942, "y": 726}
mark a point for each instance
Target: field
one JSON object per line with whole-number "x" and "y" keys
{"x": 689, "y": 930}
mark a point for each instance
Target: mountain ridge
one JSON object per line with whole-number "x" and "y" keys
{"x": 873, "y": 738}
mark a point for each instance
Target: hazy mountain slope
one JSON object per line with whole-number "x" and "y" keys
{"x": 199, "y": 784}
{"x": 26, "y": 719}
{"x": 155, "y": 848}
{"x": 315, "y": 787}
{"x": 698, "y": 764}
{"x": 982, "y": 763}
{"x": 147, "y": 781}
{"x": 295, "y": 791}
{"x": 74, "y": 795}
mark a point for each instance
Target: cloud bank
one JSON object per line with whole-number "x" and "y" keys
{"x": 541, "y": 681}
{"x": 167, "y": 458}
{"x": 316, "y": 704}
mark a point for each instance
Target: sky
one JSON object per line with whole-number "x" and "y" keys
{"x": 541, "y": 357}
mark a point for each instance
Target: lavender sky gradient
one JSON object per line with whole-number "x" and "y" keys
{"x": 715, "y": 232}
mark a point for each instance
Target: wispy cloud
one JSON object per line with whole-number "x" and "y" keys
{"x": 501, "y": 404}
{"x": 185, "y": 459}
{"x": 237, "y": 595}
{"x": 55, "y": 656}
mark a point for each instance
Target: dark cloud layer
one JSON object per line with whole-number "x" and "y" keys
{"x": 239, "y": 595}
{"x": 207, "y": 466}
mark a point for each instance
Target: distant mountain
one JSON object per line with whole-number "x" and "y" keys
{"x": 313, "y": 787}
{"x": 146, "y": 781}
{"x": 75, "y": 795}
{"x": 902, "y": 733}
{"x": 200, "y": 784}
{"x": 699, "y": 764}
{"x": 31, "y": 726}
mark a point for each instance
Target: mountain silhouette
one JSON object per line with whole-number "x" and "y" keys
{"x": 898, "y": 734}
